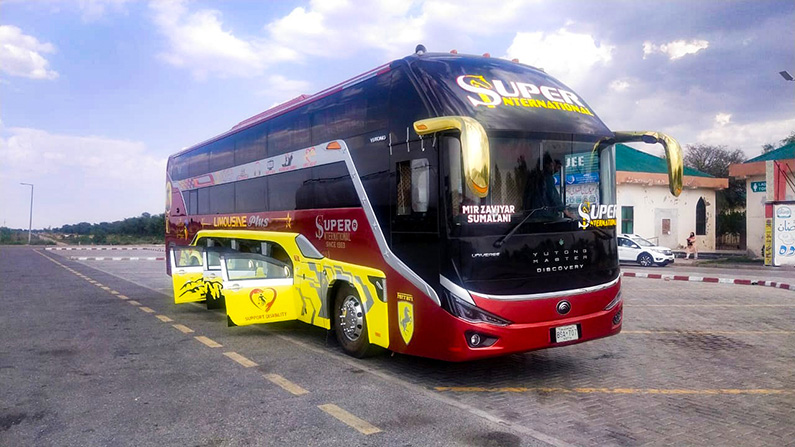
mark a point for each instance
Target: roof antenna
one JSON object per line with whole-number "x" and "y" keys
{"x": 420, "y": 50}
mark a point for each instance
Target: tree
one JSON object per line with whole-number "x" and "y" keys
{"x": 715, "y": 160}
{"x": 784, "y": 141}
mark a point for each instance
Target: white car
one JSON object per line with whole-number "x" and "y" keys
{"x": 634, "y": 248}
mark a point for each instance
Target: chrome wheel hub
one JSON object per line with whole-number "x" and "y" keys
{"x": 351, "y": 318}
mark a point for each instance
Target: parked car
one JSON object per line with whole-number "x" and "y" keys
{"x": 634, "y": 248}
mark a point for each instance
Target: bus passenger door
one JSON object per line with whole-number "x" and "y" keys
{"x": 257, "y": 289}
{"x": 186, "y": 274}
{"x": 414, "y": 228}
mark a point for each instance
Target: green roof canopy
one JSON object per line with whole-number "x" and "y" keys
{"x": 782, "y": 153}
{"x": 633, "y": 160}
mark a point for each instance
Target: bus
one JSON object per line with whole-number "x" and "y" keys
{"x": 448, "y": 206}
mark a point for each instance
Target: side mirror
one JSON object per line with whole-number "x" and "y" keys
{"x": 673, "y": 153}
{"x": 474, "y": 148}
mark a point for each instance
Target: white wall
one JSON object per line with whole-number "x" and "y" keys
{"x": 755, "y": 217}
{"x": 653, "y": 203}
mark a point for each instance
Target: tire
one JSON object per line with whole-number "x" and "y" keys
{"x": 350, "y": 324}
{"x": 645, "y": 260}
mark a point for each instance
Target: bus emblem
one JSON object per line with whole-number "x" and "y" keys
{"x": 564, "y": 307}
{"x": 406, "y": 322}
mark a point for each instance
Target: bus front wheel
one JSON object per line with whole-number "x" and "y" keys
{"x": 350, "y": 324}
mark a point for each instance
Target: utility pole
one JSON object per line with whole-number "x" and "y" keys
{"x": 30, "y": 222}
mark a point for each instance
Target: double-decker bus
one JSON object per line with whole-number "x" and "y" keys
{"x": 443, "y": 205}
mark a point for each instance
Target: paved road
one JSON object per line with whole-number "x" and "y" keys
{"x": 697, "y": 364}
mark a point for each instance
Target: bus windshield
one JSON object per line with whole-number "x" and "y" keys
{"x": 538, "y": 180}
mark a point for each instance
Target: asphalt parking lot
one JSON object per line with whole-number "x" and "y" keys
{"x": 96, "y": 353}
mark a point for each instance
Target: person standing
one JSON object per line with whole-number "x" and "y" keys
{"x": 691, "y": 246}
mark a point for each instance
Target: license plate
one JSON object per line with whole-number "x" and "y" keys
{"x": 566, "y": 333}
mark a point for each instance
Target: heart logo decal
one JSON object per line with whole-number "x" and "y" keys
{"x": 263, "y": 298}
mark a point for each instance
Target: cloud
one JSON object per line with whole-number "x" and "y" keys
{"x": 96, "y": 9}
{"x": 566, "y": 55}
{"x": 92, "y": 158}
{"x": 199, "y": 42}
{"x": 747, "y": 136}
{"x": 723, "y": 119}
{"x": 21, "y": 55}
{"x": 341, "y": 28}
{"x": 619, "y": 85}
{"x": 282, "y": 89}
{"x": 676, "y": 49}
{"x": 77, "y": 178}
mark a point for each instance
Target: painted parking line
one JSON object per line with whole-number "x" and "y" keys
{"x": 164, "y": 318}
{"x": 288, "y": 386}
{"x": 240, "y": 359}
{"x": 704, "y": 392}
{"x": 182, "y": 328}
{"x": 210, "y": 343}
{"x": 781, "y": 332}
{"x": 360, "y": 425}
{"x": 148, "y": 310}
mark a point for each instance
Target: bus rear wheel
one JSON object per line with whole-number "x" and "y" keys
{"x": 350, "y": 324}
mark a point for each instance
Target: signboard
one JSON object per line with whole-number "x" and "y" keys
{"x": 768, "y": 247}
{"x": 759, "y": 186}
{"x": 582, "y": 178}
{"x": 783, "y": 235}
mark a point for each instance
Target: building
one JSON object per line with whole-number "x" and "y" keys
{"x": 649, "y": 209}
{"x": 770, "y": 191}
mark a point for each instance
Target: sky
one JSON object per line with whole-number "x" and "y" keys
{"x": 96, "y": 94}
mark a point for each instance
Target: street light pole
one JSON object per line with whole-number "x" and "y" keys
{"x": 30, "y": 222}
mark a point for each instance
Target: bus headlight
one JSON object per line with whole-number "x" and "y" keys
{"x": 467, "y": 312}
{"x": 615, "y": 301}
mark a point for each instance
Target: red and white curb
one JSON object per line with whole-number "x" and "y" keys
{"x": 132, "y": 258}
{"x": 747, "y": 282}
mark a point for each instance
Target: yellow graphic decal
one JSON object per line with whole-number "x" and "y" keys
{"x": 406, "y": 319}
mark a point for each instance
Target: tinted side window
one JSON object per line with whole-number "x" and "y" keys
{"x": 251, "y": 144}
{"x": 333, "y": 187}
{"x": 193, "y": 202}
{"x": 288, "y": 132}
{"x": 405, "y": 107}
{"x": 198, "y": 161}
{"x": 222, "y": 154}
{"x": 377, "y": 91}
{"x": 251, "y": 195}
{"x": 179, "y": 167}
{"x": 222, "y": 198}
{"x": 283, "y": 188}
{"x": 340, "y": 115}
{"x": 203, "y": 201}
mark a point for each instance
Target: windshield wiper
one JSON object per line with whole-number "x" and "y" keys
{"x": 499, "y": 242}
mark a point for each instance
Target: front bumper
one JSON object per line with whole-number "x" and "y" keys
{"x": 522, "y": 337}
